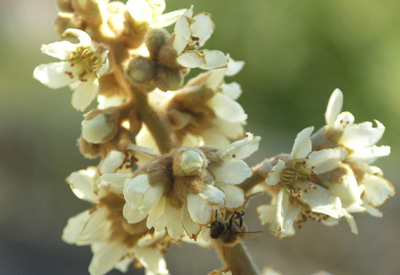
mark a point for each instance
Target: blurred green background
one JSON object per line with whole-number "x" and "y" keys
{"x": 296, "y": 53}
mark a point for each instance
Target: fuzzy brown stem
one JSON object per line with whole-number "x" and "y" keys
{"x": 157, "y": 124}
{"x": 236, "y": 259}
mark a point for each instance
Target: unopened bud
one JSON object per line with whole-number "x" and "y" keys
{"x": 90, "y": 10}
{"x": 168, "y": 79}
{"x": 98, "y": 128}
{"x": 189, "y": 162}
{"x": 141, "y": 70}
{"x": 167, "y": 56}
{"x": 65, "y": 5}
{"x": 66, "y": 21}
{"x": 154, "y": 40}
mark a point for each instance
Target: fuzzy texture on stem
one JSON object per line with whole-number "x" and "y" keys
{"x": 259, "y": 172}
{"x": 236, "y": 259}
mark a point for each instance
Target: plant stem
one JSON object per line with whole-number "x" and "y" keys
{"x": 157, "y": 124}
{"x": 236, "y": 259}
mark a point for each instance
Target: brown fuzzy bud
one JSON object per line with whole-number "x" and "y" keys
{"x": 65, "y": 21}
{"x": 168, "y": 79}
{"x": 90, "y": 10}
{"x": 180, "y": 120}
{"x": 65, "y": 5}
{"x": 154, "y": 40}
{"x": 87, "y": 149}
{"x": 167, "y": 56}
{"x": 141, "y": 70}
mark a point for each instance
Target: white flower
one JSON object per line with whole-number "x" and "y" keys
{"x": 114, "y": 243}
{"x": 96, "y": 129}
{"x": 359, "y": 138}
{"x": 80, "y": 68}
{"x": 202, "y": 181}
{"x": 150, "y": 12}
{"x": 192, "y": 33}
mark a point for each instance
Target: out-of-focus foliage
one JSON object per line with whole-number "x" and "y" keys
{"x": 296, "y": 53}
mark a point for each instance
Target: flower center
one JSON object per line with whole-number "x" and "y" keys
{"x": 86, "y": 60}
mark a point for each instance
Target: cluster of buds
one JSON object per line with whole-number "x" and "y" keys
{"x": 327, "y": 176}
{"x": 172, "y": 151}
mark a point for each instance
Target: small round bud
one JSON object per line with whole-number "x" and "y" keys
{"x": 141, "y": 70}
{"x": 167, "y": 56}
{"x": 90, "y": 10}
{"x": 154, "y": 40}
{"x": 191, "y": 161}
{"x": 97, "y": 129}
{"x": 168, "y": 79}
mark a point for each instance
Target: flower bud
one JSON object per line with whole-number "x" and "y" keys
{"x": 89, "y": 9}
{"x": 168, "y": 79}
{"x": 98, "y": 128}
{"x": 189, "y": 162}
{"x": 167, "y": 56}
{"x": 141, "y": 70}
{"x": 154, "y": 40}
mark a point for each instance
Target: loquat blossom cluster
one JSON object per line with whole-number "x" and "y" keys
{"x": 172, "y": 150}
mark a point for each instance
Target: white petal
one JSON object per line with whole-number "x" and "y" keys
{"x": 199, "y": 209}
{"x": 362, "y": 135}
{"x": 214, "y": 59}
{"x": 81, "y": 183}
{"x": 213, "y": 195}
{"x": 134, "y": 190}
{"x": 344, "y": 120}
{"x": 123, "y": 265}
{"x": 233, "y": 130}
{"x": 373, "y": 211}
{"x": 234, "y": 196}
{"x": 352, "y": 223}
{"x": 140, "y": 10}
{"x": 370, "y": 154}
{"x": 111, "y": 162}
{"x": 74, "y": 227}
{"x": 145, "y": 139}
{"x": 202, "y": 27}
{"x": 96, "y": 220}
{"x": 84, "y": 94}
{"x": 169, "y": 212}
{"x": 61, "y": 50}
{"x": 377, "y": 190}
{"x": 233, "y": 90}
{"x": 84, "y": 38}
{"x": 325, "y": 160}
{"x": 226, "y": 108}
{"x": 151, "y": 238}
{"x": 182, "y": 34}
{"x": 53, "y": 74}
{"x": 151, "y": 197}
{"x": 191, "y": 59}
{"x": 320, "y": 200}
{"x": 242, "y": 148}
{"x": 232, "y": 171}
{"x": 274, "y": 177}
{"x": 106, "y": 64}
{"x": 96, "y": 129}
{"x": 191, "y": 228}
{"x": 133, "y": 215}
{"x": 266, "y": 213}
{"x": 152, "y": 260}
{"x": 107, "y": 257}
{"x": 174, "y": 227}
{"x": 143, "y": 154}
{"x": 234, "y": 67}
{"x": 214, "y": 137}
{"x": 156, "y": 213}
{"x": 168, "y": 19}
{"x": 302, "y": 144}
{"x": 116, "y": 180}
{"x": 334, "y": 107}
{"x": 215, "y": 79}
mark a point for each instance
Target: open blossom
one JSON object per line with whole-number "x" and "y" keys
{"x": 366, "y": 185}
{"x": 192, "y": 32}
{"x": 80, "y": 67}
{"x": 297, "y": 195}
{"x": 181, "y": 191}
{"x": 114, "y": 242}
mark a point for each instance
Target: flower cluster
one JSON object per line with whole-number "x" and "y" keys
{"x": 172, "y": 150}
{"x": 327, "y": 176}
